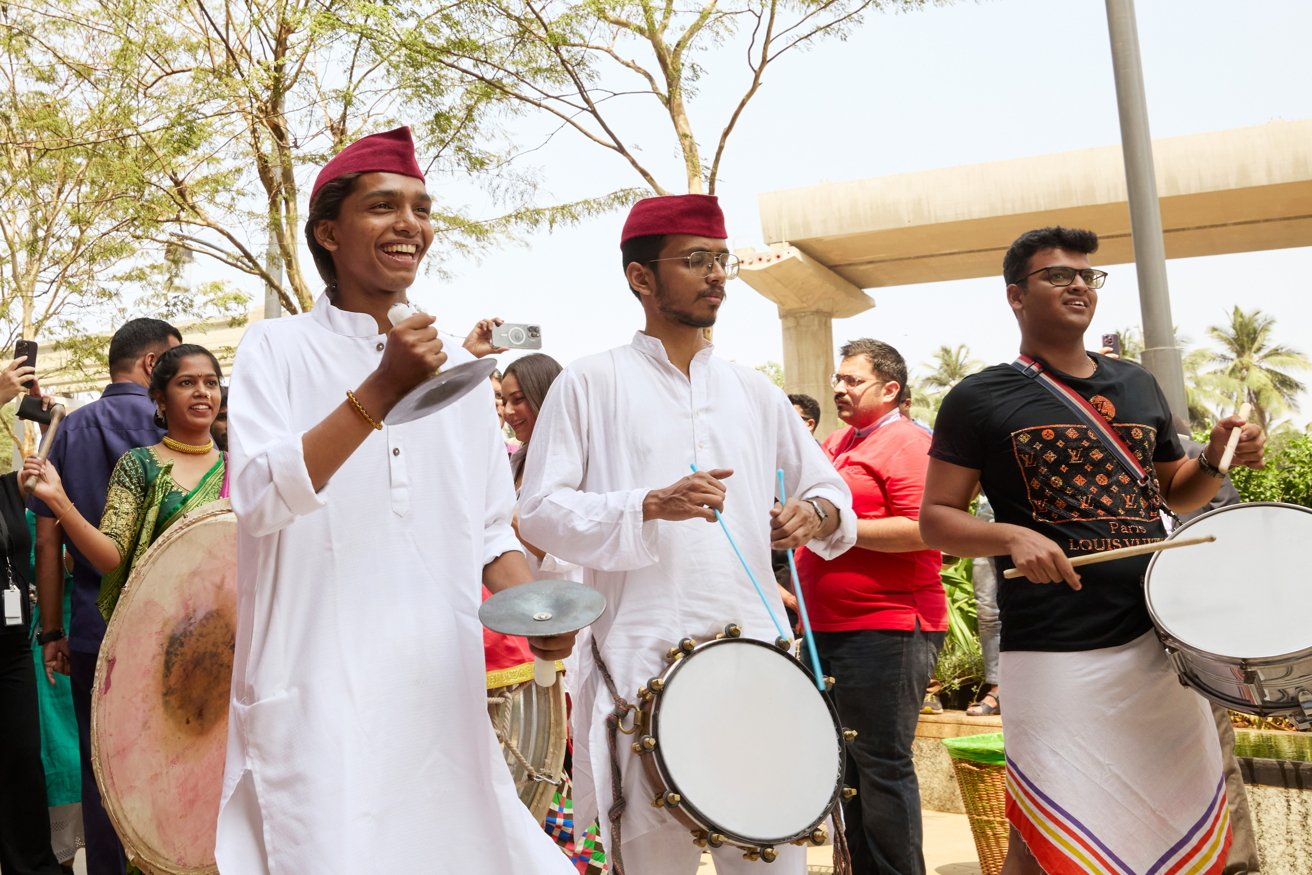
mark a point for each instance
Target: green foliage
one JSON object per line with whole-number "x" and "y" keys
{"x": 1287, "y": 476}
{"x": 960, "y": 662}
{"x": 774, "y": 372}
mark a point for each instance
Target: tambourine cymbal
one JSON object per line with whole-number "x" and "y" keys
{"x": 543, "y": 607}
{"x": 440, "y": 390}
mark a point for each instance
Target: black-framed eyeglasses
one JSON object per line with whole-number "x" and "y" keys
{"x": 704, "y": 261}
{"x": 1064, "y": 276}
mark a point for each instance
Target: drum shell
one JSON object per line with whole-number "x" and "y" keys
{"x": 687, "y": 812}
{"x": 535, "y": 720}
{"x": 1263, "y": 685}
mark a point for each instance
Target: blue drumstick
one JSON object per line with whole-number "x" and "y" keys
{"x": 801, "y": 600}
{"x": 752, "y": 577}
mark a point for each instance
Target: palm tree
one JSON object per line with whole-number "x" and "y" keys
{"x": 949, "y": 366}
{"x": 1258, "y": 370}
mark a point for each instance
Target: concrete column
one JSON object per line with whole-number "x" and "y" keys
{"x": 809, "y": 360}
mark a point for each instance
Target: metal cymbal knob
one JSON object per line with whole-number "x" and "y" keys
{"x": 752, "y": 854}
{"x": 849, "y": 735}
{"x": 673, "y": 799}
{"x": 769, "y": 854}
{"x": 656, "y": 684}
{"x": 849, "y": 792}
{"x": 715, "y": 840}
{"x": 687, "y": 644}
{"x": 783, "y": 644}
{"x": 733, "y": 630}
{"x": 658, "y": 801}
{"x": 647, "y": 743}
{"x": 699, "y": 837}
{"x": 829, "y": 682}
{"x": 673, "y": 653}
{"x": 819, "y": 836}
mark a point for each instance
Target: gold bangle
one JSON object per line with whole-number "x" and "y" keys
{"x": 364, "y": 414}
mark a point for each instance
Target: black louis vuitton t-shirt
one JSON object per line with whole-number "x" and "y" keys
{"x": 1044, "y": 469}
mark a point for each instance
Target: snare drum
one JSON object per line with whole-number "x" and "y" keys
{"x": 743, "y": 747}
{"x": 1231, "y": 612}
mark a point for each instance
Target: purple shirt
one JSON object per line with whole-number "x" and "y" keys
{"x": 87, "y": 446}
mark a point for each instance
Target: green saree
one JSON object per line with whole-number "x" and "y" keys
{"x": 143, "y": 500}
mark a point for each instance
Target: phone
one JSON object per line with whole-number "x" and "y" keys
{"x": 26, "y": 348}
{"x": 517, "y": 335}
{"x": 31, "y": 409}
{"x": 1113, "y": 341}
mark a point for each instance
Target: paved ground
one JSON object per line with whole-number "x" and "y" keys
{"x": 949, "y": 850}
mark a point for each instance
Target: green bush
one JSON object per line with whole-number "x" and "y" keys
{"x": 1287, "y": 476}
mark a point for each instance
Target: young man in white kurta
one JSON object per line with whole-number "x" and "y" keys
{"x": 615, "y": 429}
{"x": 358, "y": 736}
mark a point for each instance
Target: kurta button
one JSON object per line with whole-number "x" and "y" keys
{"x": 379, "y": 347}
{"x": 396, "y": 451}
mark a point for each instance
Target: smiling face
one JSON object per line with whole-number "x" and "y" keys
{"x": 191, "y": 399}
{"x": 380, "y": 235}
{"x": 519, "y": 415}
{"x": 1053, "y": 313}
{"x": 673, "y": 292}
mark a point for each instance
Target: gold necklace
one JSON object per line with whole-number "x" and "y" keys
{"x": 178, "y": 446}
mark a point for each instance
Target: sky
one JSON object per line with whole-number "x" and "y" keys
{"x": 944, "y": 86}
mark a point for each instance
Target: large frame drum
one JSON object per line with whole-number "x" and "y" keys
{"x": 743, "y": 747}
{"x": 159, "y": 719}
{"x": 1232, "y": 613}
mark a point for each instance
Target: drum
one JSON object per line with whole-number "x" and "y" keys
{"x": 741, "y": 744}
{"x": 532, "y": 724}
{"x": 1229, "y": 612}
{"x": 159, "y": 726}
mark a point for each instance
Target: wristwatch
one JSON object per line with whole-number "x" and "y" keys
{"x": 44, "y": 638}
{"x": 818, "y": 508}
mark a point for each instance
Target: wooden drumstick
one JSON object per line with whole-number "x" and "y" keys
{"x": 1125, "y": 552}
{"x": 56, "y": 416}
{"x": 1245, "y": 410}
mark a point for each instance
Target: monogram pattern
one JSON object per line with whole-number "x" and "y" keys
{"x": 1070, "y": 477}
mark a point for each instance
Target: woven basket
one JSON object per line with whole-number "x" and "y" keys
{"x": 984, "y": 792}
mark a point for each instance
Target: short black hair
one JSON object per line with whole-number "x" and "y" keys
{"x": 1055, "y": 237}
{"x": 327, "y": 204}
{"x": 136, "y": 338}
{"x": 643, "y": 250}
{"x": 167, "y": 366}
{"x": 885, "y": 361}
{"x": 809, "y": 405}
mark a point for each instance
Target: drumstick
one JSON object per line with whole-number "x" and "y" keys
{"x": 778, "y": 627}
{"x": 56, "y": 416}
{"x": 1245, "y": 410}
{"x": 801, "y": 599}
{"x": 1125, "y": 552}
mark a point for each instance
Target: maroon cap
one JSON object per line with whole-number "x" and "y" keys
{"x": 388, "y": 152}
{"x": 698, "y": 215}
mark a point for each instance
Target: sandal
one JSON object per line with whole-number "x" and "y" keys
{"x": 983, "y": 708}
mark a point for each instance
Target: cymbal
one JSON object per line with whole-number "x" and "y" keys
{"x": 542, "y": 607}
{"x": 440, "y": 390}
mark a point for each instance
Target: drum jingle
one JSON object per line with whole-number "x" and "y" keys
{"x": 770, "y": 774}
{"x": 1230, "y": 615}
{"x": 159, "y": 725}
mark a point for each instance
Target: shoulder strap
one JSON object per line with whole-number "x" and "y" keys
{"x": 1080, "y": 406}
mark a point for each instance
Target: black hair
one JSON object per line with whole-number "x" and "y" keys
{"x": 136, "y": 338}
{"x": 885, "y": 361}
{"x": 643, "y": 250}
{"x": 809, "y": 405}
{"x": 167, "y": 366}
{"x": 535, "y": 373}
{"x": 1017, "y": 259}
{"x": 327, "y": 204}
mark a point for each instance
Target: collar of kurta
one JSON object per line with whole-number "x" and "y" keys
{"x": 653, "y": 348}
{"x": 343, "y": 322}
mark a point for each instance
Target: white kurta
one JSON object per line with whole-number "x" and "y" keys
{"x": 613, "y": 427}
{"x": 358, "y": 737}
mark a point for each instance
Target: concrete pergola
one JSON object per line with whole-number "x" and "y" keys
{"x": 1230, "y": 191}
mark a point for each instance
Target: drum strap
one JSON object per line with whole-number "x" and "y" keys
{"x": 614, "y": 725}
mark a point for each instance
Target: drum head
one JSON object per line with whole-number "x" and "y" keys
{"x": 160, "y": 701}
{"x": 1240, "y": 596}
{"x": 745, "y": 737}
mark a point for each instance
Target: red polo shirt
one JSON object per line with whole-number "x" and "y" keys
{"x": 867, "y": 589}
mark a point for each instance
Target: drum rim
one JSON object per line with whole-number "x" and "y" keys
{"x": 689, "y": 807}
{"x": 1172, "y": 641}
{"x": 139, "y": 851}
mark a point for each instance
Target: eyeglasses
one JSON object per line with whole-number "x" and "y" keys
{"x": 705, "y": 262}
{"x": 847, "y": 380}
{"x": 1064, "y": 276}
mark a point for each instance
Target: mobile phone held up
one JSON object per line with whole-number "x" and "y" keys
{"x": 1112, "y": 341}
{"x": 26, "y": 349}
{"x": 517, "y": 335}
